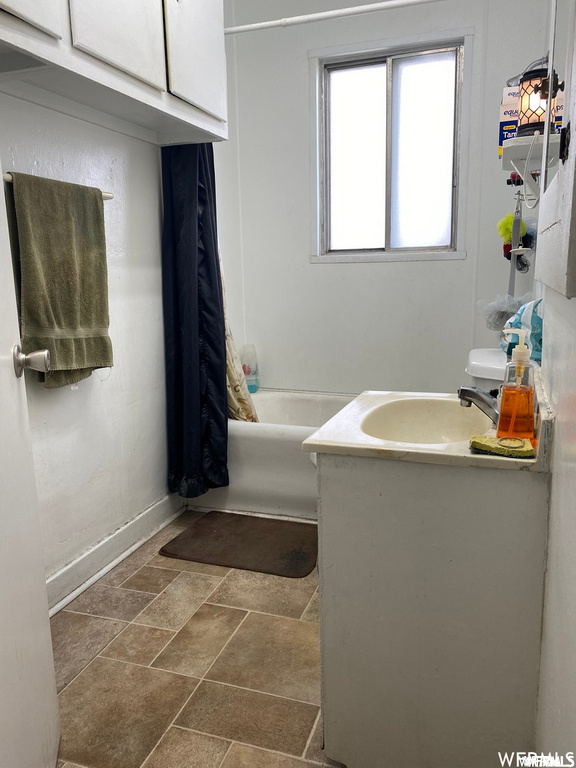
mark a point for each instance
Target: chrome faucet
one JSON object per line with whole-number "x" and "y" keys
{"x": 481, "y": 399}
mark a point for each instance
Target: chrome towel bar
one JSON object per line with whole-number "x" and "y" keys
{"x": 105, "y": 195}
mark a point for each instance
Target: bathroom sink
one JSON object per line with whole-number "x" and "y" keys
{"x": 422, "y": 427}
{"x": 425, "y": 420}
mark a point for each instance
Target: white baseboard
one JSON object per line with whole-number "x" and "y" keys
{"x": 73, "y": 578}
{"x": 191, "y": 507}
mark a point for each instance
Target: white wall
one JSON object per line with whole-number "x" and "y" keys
{"x": 100, "y": 450}
{"x": 556, "y": 718}
{"x": 342, "y": 327}
{"x": 556, "y": 724}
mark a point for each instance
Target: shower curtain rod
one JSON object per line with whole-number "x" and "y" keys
{"x": 7, "y": 177}
{"x": 323, "y": 15}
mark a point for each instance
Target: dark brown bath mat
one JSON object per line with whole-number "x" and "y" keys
{"x": 279, "y": 547}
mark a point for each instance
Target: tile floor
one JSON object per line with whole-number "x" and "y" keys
{"x": 166, "y": 663}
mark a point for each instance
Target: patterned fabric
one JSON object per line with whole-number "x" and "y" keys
{"x": 240, "y": 404}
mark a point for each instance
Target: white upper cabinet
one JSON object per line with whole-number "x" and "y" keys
{"x": 195, "y": 53}
{"x": 113, "y": 57}
{"x": 129, "y": 34}
{"x": 43, "y": 14}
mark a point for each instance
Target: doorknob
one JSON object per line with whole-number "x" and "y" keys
{"x": 37, "y": 361}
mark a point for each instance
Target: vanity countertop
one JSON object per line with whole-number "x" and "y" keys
{"x": 343, "y": 435}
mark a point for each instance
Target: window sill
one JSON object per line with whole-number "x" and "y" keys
{"x": 353, "y": 257}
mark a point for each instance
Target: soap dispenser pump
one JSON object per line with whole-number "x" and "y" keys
{"x": 517, "y": 406}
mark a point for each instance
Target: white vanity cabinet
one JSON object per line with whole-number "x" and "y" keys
{"x": 195, "y": 53}
{"x": 127, "y": 34}
{"x": 431, "y": 563}
{"x": 431, "y": 587}
{"x": 44, "y": 14}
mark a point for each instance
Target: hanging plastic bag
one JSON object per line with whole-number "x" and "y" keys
{"x": 501, "y": 309}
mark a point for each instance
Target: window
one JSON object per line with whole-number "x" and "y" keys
{"x": 388, "y": 147}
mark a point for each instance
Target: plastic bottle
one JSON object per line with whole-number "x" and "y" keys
{"x": 250, "y": 367}
{"x": 517, "y": 406}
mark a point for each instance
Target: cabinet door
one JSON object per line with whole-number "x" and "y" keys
{"x": 46, "y": 15}
{"x": 127, "y": 34}
{"x": 196, "y": 55}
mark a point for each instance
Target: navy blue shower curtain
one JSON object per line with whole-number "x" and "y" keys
{"x": 194, "y": 327}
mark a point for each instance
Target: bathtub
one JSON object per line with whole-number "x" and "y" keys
{"x": 269, "y": 472}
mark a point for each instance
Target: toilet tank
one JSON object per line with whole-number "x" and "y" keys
{"x": 486, "y": 368}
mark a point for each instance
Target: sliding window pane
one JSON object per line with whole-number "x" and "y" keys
{"x": 357, "y": 157}
{"x": 423, "y": 107}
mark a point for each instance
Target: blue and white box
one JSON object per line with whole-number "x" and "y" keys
{"x": 508, "y": 115}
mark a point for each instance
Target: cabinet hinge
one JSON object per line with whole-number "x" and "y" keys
{"x": 564, "y": 143}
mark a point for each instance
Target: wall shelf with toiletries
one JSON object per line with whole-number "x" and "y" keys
{"x": 96, "y": 56}
{"x": 556, "y": 265}
{"x": 516, "y": 151}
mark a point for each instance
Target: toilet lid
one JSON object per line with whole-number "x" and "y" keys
{"x": 487, "y": 364}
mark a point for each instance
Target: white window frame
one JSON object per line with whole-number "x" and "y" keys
{"x": 321, "y": 59}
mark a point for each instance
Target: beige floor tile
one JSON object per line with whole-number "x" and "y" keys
{"x": 173, "y": 608}
{"x": 275, "y": 655}
{"x": 250, "y": 717}
{"x": 200, "y": 640}
{"x": 185, "y": 749}
{"x": 125, "y": 569}
{"x": 173, "y": 563}
{"x": 315, "y": 751}
{"x": 241, "y": 756}
{"x": 311, "y": 612}
{"x": 138, "y": 644}
{"x": 167, "y": 533}
{"x": 263, "y": 592}
{"x": 76, "y": 639}
{"x": 111, "y": 602}
{"x": 189, "y": 517}
{"x": 148, "y": 579}
{"x": 113, "y": 714}
{"x": 140, "y": 557}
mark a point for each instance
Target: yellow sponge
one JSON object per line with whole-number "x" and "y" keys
{"x": 515, "y": 447}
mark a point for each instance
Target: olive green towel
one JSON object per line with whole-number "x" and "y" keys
{"x": 62, "y": 273}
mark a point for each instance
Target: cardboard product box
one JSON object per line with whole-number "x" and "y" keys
{"x": 508, "y": 115}
{"x": 559, "y": 111}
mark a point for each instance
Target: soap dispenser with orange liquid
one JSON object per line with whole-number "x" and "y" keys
{"x": 517, "y": 406}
